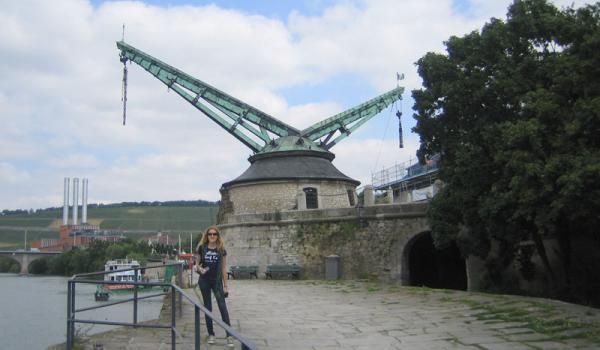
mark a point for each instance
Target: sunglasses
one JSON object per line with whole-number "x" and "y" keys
{"x": 212, "y": 234}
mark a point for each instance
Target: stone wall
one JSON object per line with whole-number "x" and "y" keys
{"x": 273, "y": 196}
{"x": 369, "y": 241}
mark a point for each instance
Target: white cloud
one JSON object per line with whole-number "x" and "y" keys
{"x": 10, "y": 175}
{"x": 74, "y": 161}
{"x": 60, "y": 90}
{"x": 359, "y": 159}
{"x": 303, "y": 116}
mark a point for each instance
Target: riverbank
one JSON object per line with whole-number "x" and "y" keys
{"x": 359, "y": 315}
{"x": 34, "y": 310}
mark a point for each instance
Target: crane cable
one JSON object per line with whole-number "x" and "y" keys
{"x": 399, "y": 115}
{"x": 124, "y": 87}
{"x": 399, "y": 112}
{"x": 387, "y": 125}
{"x": 123, "y": 59}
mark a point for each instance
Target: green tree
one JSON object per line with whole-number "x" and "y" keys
{"x": 514, "y": 111}
{"x": 8, "y": 265}
{"x": 94, "y": 256}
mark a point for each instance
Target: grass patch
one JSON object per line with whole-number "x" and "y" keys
{"x": 539, "y": 317}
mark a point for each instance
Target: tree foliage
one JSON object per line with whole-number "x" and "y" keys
{"x": 91, "y": 258}
{"x": 514, "y": 111}
{"x": 8, "y": 265}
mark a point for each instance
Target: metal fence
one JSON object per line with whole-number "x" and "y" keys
{"x": 172, "y": 289}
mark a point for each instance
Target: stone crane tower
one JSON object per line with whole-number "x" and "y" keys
{"x": 290, "y": 168}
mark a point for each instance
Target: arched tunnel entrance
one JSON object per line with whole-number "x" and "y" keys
{"x": 430, "y": 267}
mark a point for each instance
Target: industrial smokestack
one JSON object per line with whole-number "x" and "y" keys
{"x": 84, "y": 199}
{"x": 66, "y": 201}
{"x": 75, "y": 199}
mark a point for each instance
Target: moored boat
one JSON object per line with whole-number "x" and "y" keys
{"x": 101, "y": 295}
{"x": 116, "y": 267}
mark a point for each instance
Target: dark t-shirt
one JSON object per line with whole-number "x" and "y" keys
{"x": 212, "y": 260}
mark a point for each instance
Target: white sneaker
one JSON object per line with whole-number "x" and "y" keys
{"x": 211, "y": 339}
{"x": 230, "y": 342}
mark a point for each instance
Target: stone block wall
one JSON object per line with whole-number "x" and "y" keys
{"x": 369, "y": 241}
{"x": 273, "y": 196}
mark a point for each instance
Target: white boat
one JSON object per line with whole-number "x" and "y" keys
{"x": 121, "y": 276}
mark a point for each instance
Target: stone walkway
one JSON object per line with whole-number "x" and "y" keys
{"x": 357, "y": 315}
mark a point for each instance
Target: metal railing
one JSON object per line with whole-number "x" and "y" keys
{"x": 172, "y": 289}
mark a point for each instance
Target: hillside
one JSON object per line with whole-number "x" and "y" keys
{"x": 136, "y": 219}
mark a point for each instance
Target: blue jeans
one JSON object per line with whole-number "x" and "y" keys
{"x": 217, "y": 288}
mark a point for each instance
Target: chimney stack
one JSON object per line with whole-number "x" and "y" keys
{"x": 66, "y": 202}
{"x": 84, "y": 199}
{"x": 75, "y": 199}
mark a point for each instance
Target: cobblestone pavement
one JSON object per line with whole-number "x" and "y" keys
{"x": 283, "y": 314}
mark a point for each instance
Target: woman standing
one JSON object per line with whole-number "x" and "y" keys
{"x": 212, "y": 268}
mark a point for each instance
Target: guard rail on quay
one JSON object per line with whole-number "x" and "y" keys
{"x": 176, "y": 294}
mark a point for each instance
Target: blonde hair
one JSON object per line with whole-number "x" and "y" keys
{"x": 204, "y": 240}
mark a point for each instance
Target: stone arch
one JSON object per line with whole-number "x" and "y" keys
{"x": 24, "y": 259}
{"x": 12, "y": 258}
{"x": 424, "y": 265}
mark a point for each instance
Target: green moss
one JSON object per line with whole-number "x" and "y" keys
{"x": 348, "y": 230}
{"x": 539, "y": 317}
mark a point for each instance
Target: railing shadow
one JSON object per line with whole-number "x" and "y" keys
{"x": 174, "y": 290}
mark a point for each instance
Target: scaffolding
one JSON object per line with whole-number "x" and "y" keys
{"x": 406, "y": 176}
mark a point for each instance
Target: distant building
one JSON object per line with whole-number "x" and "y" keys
{"x": 409, "y": 181}
{"x": 77, "y": 233}
{"x": 45, "y": 243}
{"x": 163, "y": 239}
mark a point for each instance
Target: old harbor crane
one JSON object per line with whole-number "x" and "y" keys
{"x": 287, "y": 163}
{"x": 254, "y": 128}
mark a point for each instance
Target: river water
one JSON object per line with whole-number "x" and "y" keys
{"x": 33, "y": 311}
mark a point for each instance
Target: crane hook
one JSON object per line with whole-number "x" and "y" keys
{"x": 399, "y": 115}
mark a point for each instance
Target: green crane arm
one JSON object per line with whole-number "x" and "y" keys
{"x": 243, "y": 121}
{"x": 346, "y": 122}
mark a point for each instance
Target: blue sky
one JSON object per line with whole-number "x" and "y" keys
{"x": 273, "y": 9}
{"x": 300, "y": 61}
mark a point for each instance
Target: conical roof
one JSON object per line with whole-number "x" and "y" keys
{"x": 294, "y": 165}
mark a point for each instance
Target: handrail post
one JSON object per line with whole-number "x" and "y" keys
{"x": 173, "y": 296}
{"x": 135, "y": 297}
{"x": 69, "y": 318}
{"x": 73, "y": 312}
{"x": 197, "y": 327}
{"x": 180, "y": 284}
